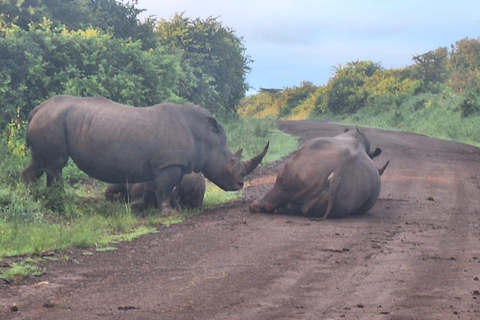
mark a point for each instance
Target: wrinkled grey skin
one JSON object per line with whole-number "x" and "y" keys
{"x": 326, "y": 177}
{"x": 188, "y": 194}
{"x": 116, "y": 143}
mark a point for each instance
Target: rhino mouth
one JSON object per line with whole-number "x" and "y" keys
{"x": 230, "y": 187}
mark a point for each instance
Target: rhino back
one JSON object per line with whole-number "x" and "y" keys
{"x": 315, "y": 160}
{"x": 113, "y": 142}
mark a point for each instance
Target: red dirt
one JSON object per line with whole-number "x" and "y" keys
{"x": 415, "y": 255}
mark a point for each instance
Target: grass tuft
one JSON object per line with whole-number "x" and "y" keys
{"x": 20, "y": 270}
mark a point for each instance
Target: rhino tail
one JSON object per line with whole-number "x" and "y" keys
{"x": 333, "y": 183}
{"x": 29, "y": 119}
{"x": 382, "y": 169}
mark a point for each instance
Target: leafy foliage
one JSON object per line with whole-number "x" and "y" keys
{"x": 213, "y": 55}
{"x": 464, "y": 65}
{"x": 111, "y": 16}
{"x": 431, "y": 68}
{"x": 345, "y": 92}
{"x": 99, "y": 47}
{"x": 46, "y": 61}
{"x": 365, "y": 86}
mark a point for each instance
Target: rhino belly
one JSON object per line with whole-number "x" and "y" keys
{"x": 115, "y": 172}
{"x": 355, "y": 199}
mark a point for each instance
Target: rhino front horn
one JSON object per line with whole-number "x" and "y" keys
{"x": 251, "y": 164}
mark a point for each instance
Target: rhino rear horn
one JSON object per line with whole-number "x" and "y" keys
{"x": 251, "y": 164}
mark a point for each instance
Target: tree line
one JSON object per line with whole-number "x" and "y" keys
{"x": 443, "y": 72}
{"x": 101, "y": 48}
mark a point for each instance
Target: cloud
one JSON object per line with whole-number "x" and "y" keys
{"x": 296, "y": 40}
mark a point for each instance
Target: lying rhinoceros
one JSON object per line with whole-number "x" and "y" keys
{"x": 116, "y": 143}
{"x": 326, "y": 177}
{"x": 188, "y": 194}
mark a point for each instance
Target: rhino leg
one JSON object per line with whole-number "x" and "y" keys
{"x": 32, "y": 172}
{"x": 175, "y": 198}
{"x": 116, "y": 192}
{"x": 54, "y": 171}
{"x": 165, "y": 181}
{"x": 148, "y": 195}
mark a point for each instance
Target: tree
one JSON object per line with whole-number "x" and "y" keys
{"x": 345, "y": 92}
{"x": 46, "y": 61}
{"x": 111, "y": 16}
{"x": 296, "y": 96}
{"x": 464, "y": 65}
{"x": 431, "y": 67}
{"x": 213, "y": 55}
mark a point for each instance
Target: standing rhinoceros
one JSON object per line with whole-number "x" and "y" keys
{"x": 116, "y": 144}
{"x": 188, "y": 194}
{"x": 326, "y": 177}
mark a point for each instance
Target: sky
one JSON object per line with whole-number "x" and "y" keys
{"x": 292, "y": 41}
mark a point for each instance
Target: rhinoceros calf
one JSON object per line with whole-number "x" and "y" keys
{"x": 116, "y": 143}
{"x": 326, "y": 177}
{"x": 188, "y": 194}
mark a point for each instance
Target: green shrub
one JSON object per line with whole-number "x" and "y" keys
{"x": 469, "y": 103}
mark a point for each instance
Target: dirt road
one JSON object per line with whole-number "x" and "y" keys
{"x": 415, "y": 255}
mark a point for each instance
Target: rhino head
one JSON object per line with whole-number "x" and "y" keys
{"x": 229, "y": 177}
{"x": 361, "y": 136}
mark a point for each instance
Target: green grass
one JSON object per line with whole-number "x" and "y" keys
{"x": 253, "y": 134}
{"x": 18, "y": 238}
{"x": 21, "y": 269}
{"x": 214, "y": 195}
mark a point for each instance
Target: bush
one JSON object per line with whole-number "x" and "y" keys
{"x": 46, "y": 61}
{"x": 470, "y": 103}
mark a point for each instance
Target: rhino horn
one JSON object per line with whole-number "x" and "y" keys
{"x": 382, "y": 169}
{"x": 251, "y": 164}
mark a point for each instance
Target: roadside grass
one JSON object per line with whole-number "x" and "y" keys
{"x": 18, "y": 270}
{"x": 434, "y": 115}
{"x": 36, "y": 237}
{"x": 38, "y": 220}
{"x": 214, "y": 195}
{"x": 253, "y": 135}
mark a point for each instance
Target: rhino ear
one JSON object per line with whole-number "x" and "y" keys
{"x": 375, "y": 153}
{"x": 238, "y": 154}
{"x": 212, "y": 124}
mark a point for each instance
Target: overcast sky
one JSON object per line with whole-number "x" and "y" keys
{"x": 302, "y": 40}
